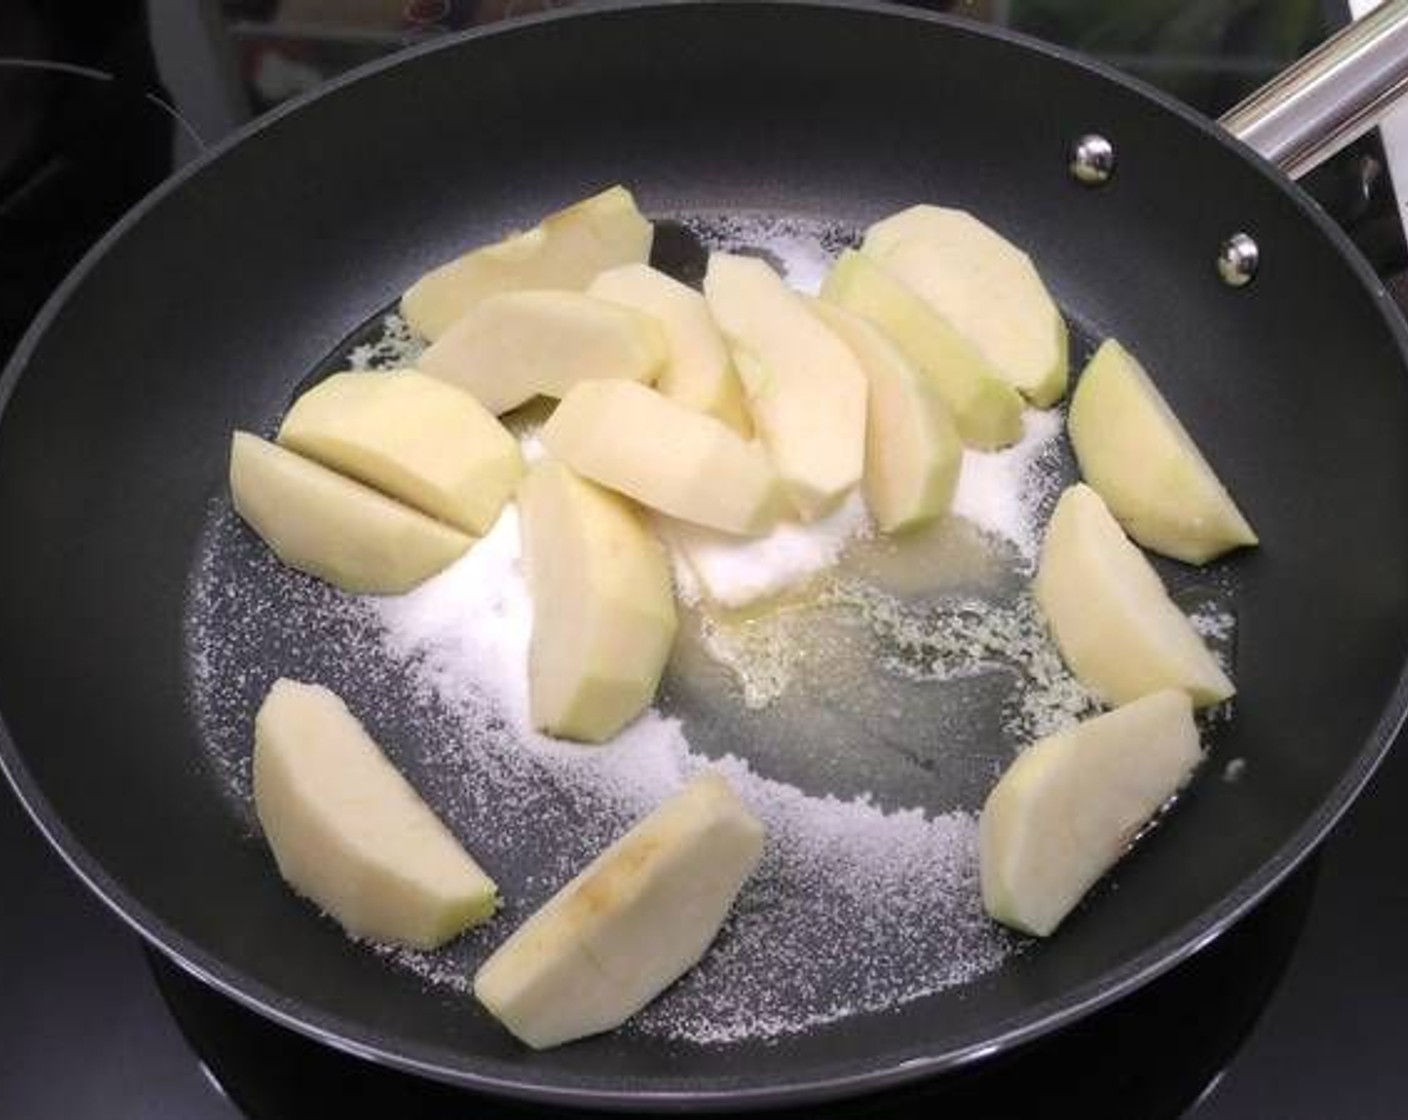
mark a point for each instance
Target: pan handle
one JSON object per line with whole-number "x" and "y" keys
{"x": 1329, "y": 98}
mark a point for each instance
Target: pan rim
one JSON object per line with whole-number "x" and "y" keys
{"x": 445, "y": 1065}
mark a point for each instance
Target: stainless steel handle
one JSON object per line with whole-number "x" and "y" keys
{"x": 1331, "y": 97}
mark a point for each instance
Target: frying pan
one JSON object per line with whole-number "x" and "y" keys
{"x": 209, "y": 303}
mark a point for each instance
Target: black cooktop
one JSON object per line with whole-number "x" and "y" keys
{"x": 1294, "y": 1013}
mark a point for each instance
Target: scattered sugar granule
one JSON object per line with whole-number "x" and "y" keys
{"x": 859, "y": 905}
{"x": 394, "y": 347}
{"x": 1214, "y": 623}
{"x": 1004, "y": 492}
{"x": 801, "y": 250}
{"x": 733, "y": 571}
{"x": 903, "y": 883}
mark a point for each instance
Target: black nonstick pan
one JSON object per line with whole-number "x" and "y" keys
{"x": 216, "y": 298}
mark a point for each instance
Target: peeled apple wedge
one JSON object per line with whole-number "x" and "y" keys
{"x": 514, "y": 347}
{"x": 565, "y": 250}
{"x": 912, "y": 450}
{"x": 665, "y": 455}
{"x": 331, "y": 527}
{"x": 636, "y": 919}
{"x": 349, "y": 832}
{"x": 414, "y": 438}
{"x": 1138, "y": 457}
{"x": 698, "y": 373}
{"x": 985, "y": 286}
{"x": 1068, "y": 808}
{"x": 986, "y": 408}
{"x": 1116, "y": 627}
{"x": 603, "y": 605}
{"x": 805, "y": 389}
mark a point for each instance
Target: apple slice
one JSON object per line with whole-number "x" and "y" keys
{"x": 1134, "y": 452}
{"x": 333, "y": 528}
{"x": 514, "y": 347}
{"x": 1118, "y": 630}
{"x": 1068, "y": 808}
{"x": 912, "y": 450}
{"x": 805, "y": 389}
{"x": 603, "y": 605}
{"x": 565, "y": 250}
{"x": 985, "y": 408}
{"x": 413, "y": 437}
{"x": 698, "y": 373}
{"x": 349, "y": 832}
{"x": 665, "y": 455}
{"x": 636, "y": 919}
{"x": 983, "y": 285}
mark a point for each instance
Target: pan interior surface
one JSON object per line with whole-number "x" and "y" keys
{"x": 207, "y": 312}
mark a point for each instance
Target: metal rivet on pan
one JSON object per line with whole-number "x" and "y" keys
{"x": 1092, "y": 160}
{"x": 1237, "y": 260}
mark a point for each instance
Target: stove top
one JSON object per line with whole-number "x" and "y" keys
{"x": 1294, "y": 1013}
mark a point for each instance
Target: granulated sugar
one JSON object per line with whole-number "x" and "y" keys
{"x": 1005, "y": 492}
{"x": 395, "y": 347}
{"x": 1213, "y": 619}
{"x": 868, "y": 908}
{"x": 852, "y": 910}
{"x": 802, "y": 250}
{"x": 1214, "y": 622}
{"x": 247, "y": 614}
{"x": 734, "y": 571}
{"x": 855, "y": 908}
{"x": 466, "y": 631}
